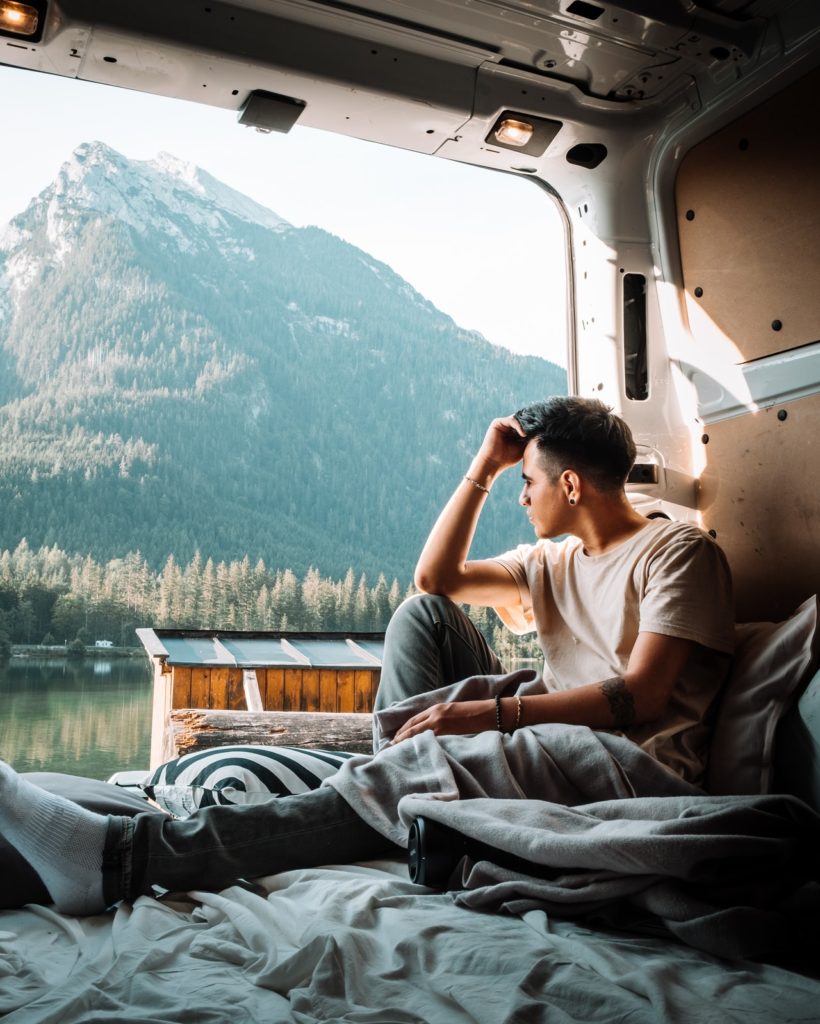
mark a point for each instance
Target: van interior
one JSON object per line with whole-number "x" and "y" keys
{"x": 680, "y": 143}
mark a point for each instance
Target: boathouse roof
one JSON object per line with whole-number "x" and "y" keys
{"x": 242, "y": 649}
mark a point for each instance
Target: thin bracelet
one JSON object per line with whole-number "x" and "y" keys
{"x": 498, "y": 714}
{"x": 517, "y": 713}
{"x": 475, "y": 483}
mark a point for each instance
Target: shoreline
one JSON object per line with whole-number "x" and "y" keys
{"x": 61, "y": 651}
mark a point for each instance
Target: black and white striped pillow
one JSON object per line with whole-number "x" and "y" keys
{"x": 238, "y": 775}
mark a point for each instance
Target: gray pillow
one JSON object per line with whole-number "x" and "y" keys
{"x": 773, "y": 661}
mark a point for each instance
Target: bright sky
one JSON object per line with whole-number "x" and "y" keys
{"x": 486, "y": 248}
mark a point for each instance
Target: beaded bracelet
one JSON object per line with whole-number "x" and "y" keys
{"x": 517, "y": 714}
{"x": 498, "y": 714}
{"x": 475, "y": 483}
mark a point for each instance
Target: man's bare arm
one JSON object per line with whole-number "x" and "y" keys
{"x": 443, "y": 566}
{"x": 641, "y": 695}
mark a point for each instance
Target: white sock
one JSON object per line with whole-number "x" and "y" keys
{"x": 62, "y": 841}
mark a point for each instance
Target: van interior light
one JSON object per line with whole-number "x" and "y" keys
{"x": 514, "y": 133}
{"x": 517, "y": 130}
{"x": 270, "y": 112}
{"x": 19, "y": 19}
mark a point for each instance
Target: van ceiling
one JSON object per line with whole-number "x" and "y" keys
{"x": 425, "y": 74}
{"x": 622, "y": 51}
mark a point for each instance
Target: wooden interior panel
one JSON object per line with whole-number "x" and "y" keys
{"x": 748, "y": 206}
{"x": 761, "y": 495}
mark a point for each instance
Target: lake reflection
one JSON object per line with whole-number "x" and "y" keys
{"x": 89, "y": 717}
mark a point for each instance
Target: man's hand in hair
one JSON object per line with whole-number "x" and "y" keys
{"x": 504, "y": 443}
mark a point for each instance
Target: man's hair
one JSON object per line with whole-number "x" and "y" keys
{"x": 581, "y": 434}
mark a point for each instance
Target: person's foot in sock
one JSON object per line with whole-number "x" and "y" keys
{"x": 62, "y": 841}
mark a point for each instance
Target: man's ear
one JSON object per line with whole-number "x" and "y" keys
{"x": 572, "y": 486}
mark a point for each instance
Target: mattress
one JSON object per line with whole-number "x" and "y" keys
{"x": 361, "y": 943}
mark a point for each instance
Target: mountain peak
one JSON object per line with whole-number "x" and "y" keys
{"x": 167, "y": 163}
{"x": 162, "y": 193}
{"x": 96, "y": 151}
{"x": 206, "y": 187}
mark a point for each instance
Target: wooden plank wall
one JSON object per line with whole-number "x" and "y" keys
{"x": 281, "y": 689}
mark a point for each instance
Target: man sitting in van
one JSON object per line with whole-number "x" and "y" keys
{"x": 634, "y": 616}
{"x": 635, "y": 620}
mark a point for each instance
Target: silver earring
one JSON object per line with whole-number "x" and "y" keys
{"x": 572, "y": 501}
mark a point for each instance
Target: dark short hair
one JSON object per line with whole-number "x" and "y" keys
{"x": 581, "y": 434}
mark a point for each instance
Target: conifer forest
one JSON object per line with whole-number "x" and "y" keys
{"x": 48, "y": 597}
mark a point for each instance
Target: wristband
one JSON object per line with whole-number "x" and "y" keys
{"x": 476, "y": 484}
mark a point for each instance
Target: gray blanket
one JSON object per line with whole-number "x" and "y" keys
{"x": 609, "y": 831}
{"x": 562, "y": 764}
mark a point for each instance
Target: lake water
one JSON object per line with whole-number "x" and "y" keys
{"x": 90, "y": 717}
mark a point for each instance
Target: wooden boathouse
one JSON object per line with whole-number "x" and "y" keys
{"x": 213, "y": 687}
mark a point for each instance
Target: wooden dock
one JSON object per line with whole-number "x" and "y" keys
{"x": 217, "y": 687}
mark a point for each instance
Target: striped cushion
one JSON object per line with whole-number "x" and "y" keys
{"x": 238, "y": 775}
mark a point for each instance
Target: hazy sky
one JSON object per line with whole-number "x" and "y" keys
{"x": 484, "y": 247}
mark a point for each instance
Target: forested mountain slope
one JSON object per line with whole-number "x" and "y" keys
{"x": 181, "y": 369}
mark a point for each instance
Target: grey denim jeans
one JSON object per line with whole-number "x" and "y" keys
{"x": 429, "y": 643}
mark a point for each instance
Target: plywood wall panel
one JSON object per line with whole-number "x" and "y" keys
{"x": 760, "y": 493}
{"x": 748, "y": 207}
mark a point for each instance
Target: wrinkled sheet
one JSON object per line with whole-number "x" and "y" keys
{"x": 362, "y": 944}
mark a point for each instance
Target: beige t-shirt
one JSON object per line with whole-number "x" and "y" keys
{"x": 669, "y": 578}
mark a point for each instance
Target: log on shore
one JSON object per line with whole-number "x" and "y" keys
{"x": 191, "y": 729}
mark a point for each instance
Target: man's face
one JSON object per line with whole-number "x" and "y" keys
{"x": 544, "y": 501}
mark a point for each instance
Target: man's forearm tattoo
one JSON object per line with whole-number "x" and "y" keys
{"x": 621, "y": 703}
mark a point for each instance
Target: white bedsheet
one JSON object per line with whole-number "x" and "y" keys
{"x": 360, "y": 943}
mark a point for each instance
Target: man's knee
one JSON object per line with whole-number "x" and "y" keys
{"x": 427, "y": 608}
